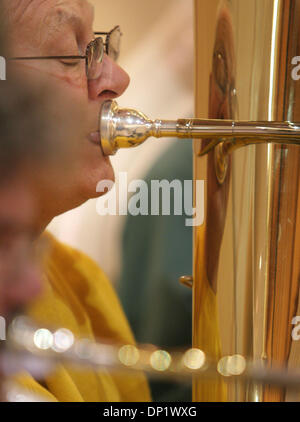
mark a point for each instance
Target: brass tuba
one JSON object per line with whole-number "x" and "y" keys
{"x": 247, "y": 254}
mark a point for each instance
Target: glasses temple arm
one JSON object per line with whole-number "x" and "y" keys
{"x": 47, "y": 58}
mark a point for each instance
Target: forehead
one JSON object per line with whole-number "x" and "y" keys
{"x": 50, "y": 12}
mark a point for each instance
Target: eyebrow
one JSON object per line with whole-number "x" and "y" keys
{"x": 61, "y": 16}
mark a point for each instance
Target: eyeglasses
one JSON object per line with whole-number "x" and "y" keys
{"x": 94, "y": 52}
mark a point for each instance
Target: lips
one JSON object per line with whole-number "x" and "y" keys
{"x": 94, "y": 137}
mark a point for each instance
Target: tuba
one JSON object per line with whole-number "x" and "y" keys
{"x": 247, "y": 254}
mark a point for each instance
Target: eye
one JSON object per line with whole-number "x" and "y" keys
{"x": 71, "y": 62}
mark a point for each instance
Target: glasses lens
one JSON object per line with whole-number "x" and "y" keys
{"x": 94, "y": 54}
{"x": 114, "y": 41}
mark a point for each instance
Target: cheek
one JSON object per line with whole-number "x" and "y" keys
{"x": 74, "y": 81}
{"x": 71, "y": 85}
{"x": 50, "y": 72}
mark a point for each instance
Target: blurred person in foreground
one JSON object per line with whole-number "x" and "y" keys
{"x": 53, "y": 38}
{"x": 28, "y": 149}
{"x": 25, "y": 132}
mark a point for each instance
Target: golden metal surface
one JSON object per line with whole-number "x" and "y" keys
{"x": 247, "y": 253}
{"x": 186, "y": 280}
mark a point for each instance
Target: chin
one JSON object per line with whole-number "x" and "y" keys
{"x": 94, "y": 176}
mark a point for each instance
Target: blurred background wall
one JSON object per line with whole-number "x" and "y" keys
{"x": 157, "y": 52}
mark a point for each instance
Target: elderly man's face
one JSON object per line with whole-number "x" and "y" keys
{"x": 62, "y": 28}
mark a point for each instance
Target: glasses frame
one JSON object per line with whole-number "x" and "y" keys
{"x": 81, "y": 57}
{"x": 108, "y": 35}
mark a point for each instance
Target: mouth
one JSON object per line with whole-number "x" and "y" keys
{"x": 95, "y": 139}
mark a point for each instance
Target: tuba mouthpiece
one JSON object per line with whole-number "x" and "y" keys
{"x": 127, "y": 128}
{"x": 122, "y": 128}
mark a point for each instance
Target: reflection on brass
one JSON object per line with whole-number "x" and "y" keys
{"x": 186, "y": 280}
{"x": 221, "y": 162}
{"x": 127, "y": 128}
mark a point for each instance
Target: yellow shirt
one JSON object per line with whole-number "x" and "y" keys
{"x": 78, "y": 296}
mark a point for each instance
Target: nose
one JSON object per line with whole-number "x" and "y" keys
{"x": 112, "y": 82}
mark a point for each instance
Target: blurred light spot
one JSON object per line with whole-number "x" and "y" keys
{"x": 231, "y": 365}
{"x": 14, "y": 393}
{"x": 83, "y": 349}
{"x": 63, "y": 340}
{"x": 194, "y": 358}
{"x": 17, "y": 397}
{"x": 236, "y": 365}
{"x": 222, "y": 366}
{"x": 43, "y": 339}
{"x": 21, "y": 332}
{"x": 129, "y": 355}
{"x": 103, "y": 354}
{"x": 256, "y": 397}
{"x": 160, "y": 360}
